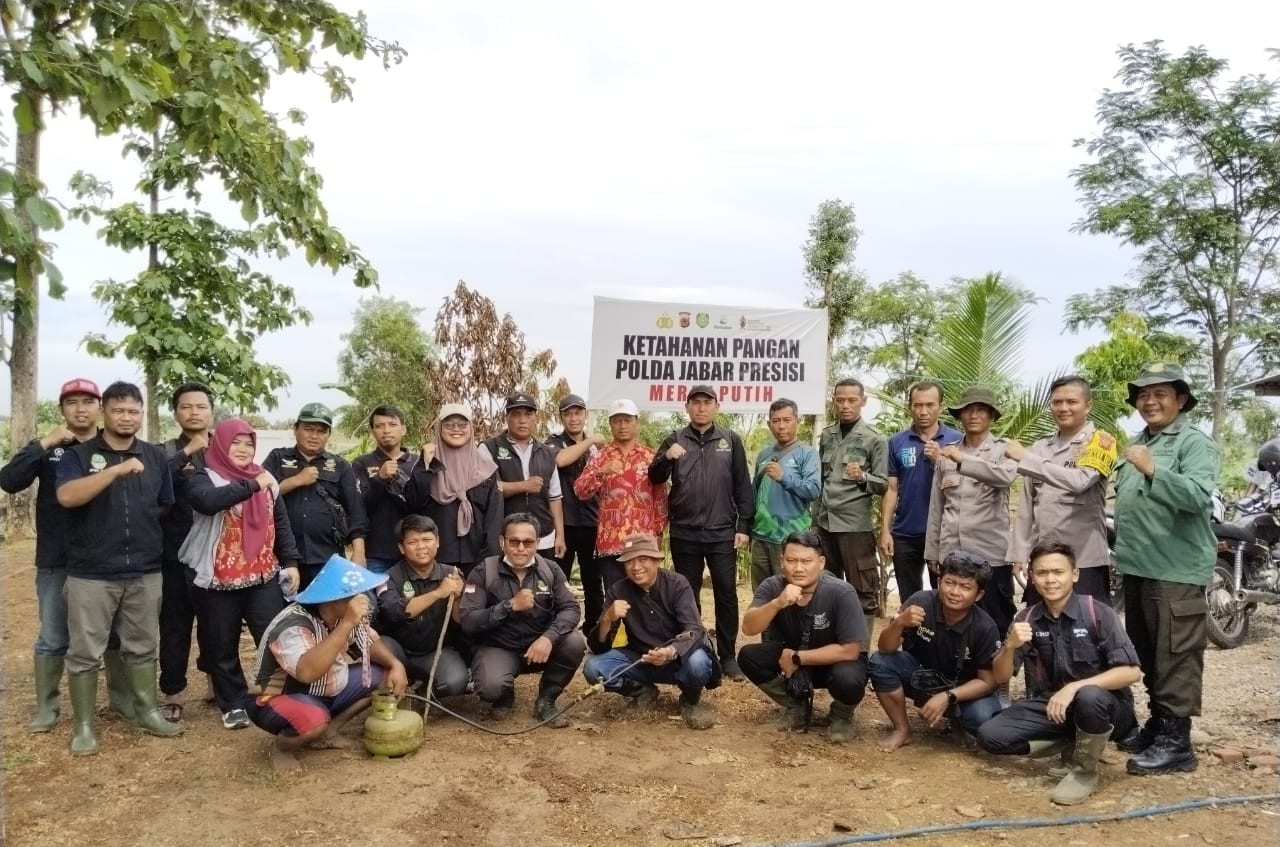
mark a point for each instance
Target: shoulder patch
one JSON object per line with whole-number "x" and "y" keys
{"x": 1099, "y": 454}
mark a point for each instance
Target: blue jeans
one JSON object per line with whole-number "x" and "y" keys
{"x": 379, "y": 565}
{"x": 53, "y": 638}
{"x": 890, "y": 671}
{"x": 691, "y": 673}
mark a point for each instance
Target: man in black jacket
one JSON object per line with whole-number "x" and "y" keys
{"x": 520, "y": 615}
{"x": 192, "y": 405}
{"x": 80, "y": 404}
{"x": 711, "y": 508}
{"x": 116, "y": 487}
{"x": 382, "y": 476}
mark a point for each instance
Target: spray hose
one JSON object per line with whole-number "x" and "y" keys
{"x": 1040, "y": 823}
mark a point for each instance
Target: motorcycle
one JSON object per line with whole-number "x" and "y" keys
{"x": 1247, "y": 572}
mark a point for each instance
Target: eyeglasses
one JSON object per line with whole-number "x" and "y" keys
{"x": 519, "y": 543}
{"x": 455, "y": 426}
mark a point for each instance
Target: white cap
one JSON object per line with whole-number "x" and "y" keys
{"x": 624, "y": 407}
{"x": 449, "y": 410}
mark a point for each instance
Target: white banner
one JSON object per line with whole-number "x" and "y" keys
{"x": 653, "y": 353}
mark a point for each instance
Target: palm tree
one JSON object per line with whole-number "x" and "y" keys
{"x": 981, "y": 341}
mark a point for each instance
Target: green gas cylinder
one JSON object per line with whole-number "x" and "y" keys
{"x": 389, "y": 731}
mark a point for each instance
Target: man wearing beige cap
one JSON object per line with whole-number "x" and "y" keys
{"x": 664, "y": 634}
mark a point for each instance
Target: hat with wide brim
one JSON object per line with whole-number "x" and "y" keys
{"x": 339, "y": 579}
{"x": 976, "y": 394}
{"x": 640, "y": 544}
{"x": 1161, "y": 373}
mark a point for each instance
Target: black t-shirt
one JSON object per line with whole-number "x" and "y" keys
{"x": 418, "y": 635}
{"x": 577, "y": 512}
{"x": 971, "y": 645}
{"x": 833, "y": 615}
{"x": 1085, "y": 639}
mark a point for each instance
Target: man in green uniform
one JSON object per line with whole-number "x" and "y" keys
{"x": 1166, "y": 549}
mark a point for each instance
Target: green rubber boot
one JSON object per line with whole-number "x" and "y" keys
{"x": 1082, "y": 778}
{"x": 147, "y": 717}
{"x": 792, "y": 716}
{"x": 83, "y": 688}
{"x": 119, "y": 691}
{"x": 48, "y": 675}
{"x": 841, "y": 729}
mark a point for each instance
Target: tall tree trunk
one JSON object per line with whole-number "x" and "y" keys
{"x": 1219, "y": 389}
{"x": 23, "y": 356}
{"x": 153, "y": 263}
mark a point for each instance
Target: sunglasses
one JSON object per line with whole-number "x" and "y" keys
{"x": 519, "y": 543}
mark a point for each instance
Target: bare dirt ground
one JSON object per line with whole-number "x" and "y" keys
{"x": 613, "y": 778}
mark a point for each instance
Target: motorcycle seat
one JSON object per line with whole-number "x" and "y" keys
{"x": 1234, "y": 532}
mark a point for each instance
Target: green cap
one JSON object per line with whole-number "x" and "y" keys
{"x": 1161, "y": 373}
{"x": 316, "y": 413}
{"x": 976, "y": 394}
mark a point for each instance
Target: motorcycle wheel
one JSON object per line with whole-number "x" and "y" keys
{"x": 1228, "y": 618}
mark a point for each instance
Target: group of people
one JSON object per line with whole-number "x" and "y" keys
{"x": 450, "y": 565}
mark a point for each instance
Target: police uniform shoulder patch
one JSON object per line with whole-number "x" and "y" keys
{"x": 1099, "y": 454}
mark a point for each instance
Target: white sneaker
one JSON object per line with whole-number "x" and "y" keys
{"x": 236, "y": 719}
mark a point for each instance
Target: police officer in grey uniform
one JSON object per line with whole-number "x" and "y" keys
{"x": 1064, "y": 492}
{"x": 969, "y": 506}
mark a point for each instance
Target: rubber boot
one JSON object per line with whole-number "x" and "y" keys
{"x": 119, "y": 689}
{"x": 1082, "y": 779}
{"x": 48, "y": 675}
{"x": 1043, "y": 748}
{"x": 147, "y": 717}
{"x": 841, "y": 723}
{"x": 1170, "y": 752}
{"x": 792, "y": 716}
{"x": 545, "y": 709}
{"x": 694, "y": 712}
{"x": 83, "y": 688}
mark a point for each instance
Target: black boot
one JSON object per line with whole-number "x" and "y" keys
{"x": 545, "y": 709}
{"x": 1140, "y": 738}
{"x": 1170, "y": 752}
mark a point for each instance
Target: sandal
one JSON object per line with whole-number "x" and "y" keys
{"x": 172, "y": 712}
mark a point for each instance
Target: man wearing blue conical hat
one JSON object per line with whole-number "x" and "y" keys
{"x": 320, "y": 662}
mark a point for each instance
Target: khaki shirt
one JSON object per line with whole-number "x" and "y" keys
{"x": 969, "y": 506}
{"x": 1064, "y": 501}
{"x": 844, "y": 505}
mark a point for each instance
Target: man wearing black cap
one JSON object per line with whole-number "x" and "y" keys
{"x": 527, "y": 475}
{"x": 573, "y": 447}
{"x": 320, "y": 494}
{"x": 711, "y": 508}
{"x": 79, "y": 401}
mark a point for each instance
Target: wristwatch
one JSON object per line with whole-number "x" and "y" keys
{"x": 795, "y": 658}
{"x": 951, "y": 698}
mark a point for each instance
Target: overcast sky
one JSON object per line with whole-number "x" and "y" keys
{"x": 546, "y": 153}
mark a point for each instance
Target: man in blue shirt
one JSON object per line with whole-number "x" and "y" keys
{"x": 904, "y": 511}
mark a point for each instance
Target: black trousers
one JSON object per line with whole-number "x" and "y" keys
{"x": 1096, "y": 582}
{"x": 997, "y": 599}
{"x": 1094, "y": 710}
{"x": 580, "y": 545}
{"x": 908, "y": 566}
{"x": 721, "y": 559}
{"x": 221, "y": 614}
{"x": 452, "y": 673}
{"x": 494, "y": 669}
{"x": 177, "y": 614}
{"x": 1168, "y": 625}
{"x": 846, "y": 681}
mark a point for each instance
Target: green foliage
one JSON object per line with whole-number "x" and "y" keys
{"x": 387, "y": 359}
{"x": 1111, "y": 363}
{"x": 1186, "y": 168}
{"x": 889, "y": 327}
{"x": 834, "y": 283}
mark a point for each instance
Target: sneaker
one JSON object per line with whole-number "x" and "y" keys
{"x": 731, "y": 670}
{"x": 235, "y": 719}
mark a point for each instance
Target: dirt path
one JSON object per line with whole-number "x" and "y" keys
{"x": 614, "y": 777}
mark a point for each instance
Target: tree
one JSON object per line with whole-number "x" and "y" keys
{"x": 889, "y": 326}
{"x": 199, "y": 68}
{"x": 833, "y": 281}
{"x": 388, "y": 358}
{"x": 1111, "y": 363}
{"x": 482, "y": 358}
{"x": 1186, "y": 168}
